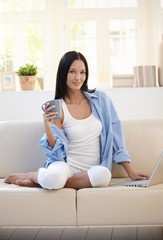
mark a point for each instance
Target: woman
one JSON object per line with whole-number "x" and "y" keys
{"x": 82, "y": 145}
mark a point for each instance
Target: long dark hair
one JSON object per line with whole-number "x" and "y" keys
{"x": 63, "y": 68}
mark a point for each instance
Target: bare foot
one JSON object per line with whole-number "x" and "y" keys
{"x": 27, "y": 183}
{"x": 12, "y": 178}
{"x": 22, "y": 179}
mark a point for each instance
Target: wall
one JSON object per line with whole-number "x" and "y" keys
{"x": 131, "y": 103}
{"x": 138, "y": 103}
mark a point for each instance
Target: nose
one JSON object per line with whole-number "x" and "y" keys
{"x": 77, "y": 76}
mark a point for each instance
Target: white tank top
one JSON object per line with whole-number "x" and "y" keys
{"x": 83, "y": 140}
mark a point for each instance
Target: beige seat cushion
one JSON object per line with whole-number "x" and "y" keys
{"x": 118, "y": 205}
{"x": 23, "y": 206}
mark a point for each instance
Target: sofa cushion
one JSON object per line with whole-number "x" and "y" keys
{"x": 113, "y": 205}
{"x": 20, "y": 151}
{"x": 23, "y": 206}
{"x": 144, "y": 140}
{"x": 118, "y": 205}
{"x": 19, "y": 148}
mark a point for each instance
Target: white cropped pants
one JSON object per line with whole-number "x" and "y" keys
{"x": 57, "y": 174}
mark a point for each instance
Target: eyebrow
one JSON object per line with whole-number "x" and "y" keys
{"x": 76, "y": 69}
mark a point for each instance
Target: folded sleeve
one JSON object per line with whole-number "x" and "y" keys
{"x": 120, "y": 152}
{"x": 60, "y": 149}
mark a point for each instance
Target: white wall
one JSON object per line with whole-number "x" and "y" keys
{"x": 131, "y": 103}
{"x": 138, "y": 103}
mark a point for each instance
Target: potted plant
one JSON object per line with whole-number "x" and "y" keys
{"x": 27, "y": 76}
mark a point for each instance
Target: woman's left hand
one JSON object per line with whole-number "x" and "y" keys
{"x": 132, "y": 174}
{"x": 138, "y": 176}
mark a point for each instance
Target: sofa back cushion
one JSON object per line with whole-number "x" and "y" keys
{"x": 144, "y": 140}
{"x": 19, "y": 148}
{"x": 20, "y": 151}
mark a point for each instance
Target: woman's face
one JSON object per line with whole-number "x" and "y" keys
{"x": 76, "y": 75}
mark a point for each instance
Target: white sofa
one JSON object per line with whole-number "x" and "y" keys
{"x": 113, "y": 205}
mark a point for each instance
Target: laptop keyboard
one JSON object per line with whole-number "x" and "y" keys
{"x": 138, "y": 183}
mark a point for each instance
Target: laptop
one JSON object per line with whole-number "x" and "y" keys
{"x": 156, "y": 176}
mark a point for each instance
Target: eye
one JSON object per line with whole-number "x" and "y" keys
{"x": 72, "y": 71}
{"x": 83, "y": 72}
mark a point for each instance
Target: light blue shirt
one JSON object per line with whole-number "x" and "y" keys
{"x": 112, "y": 143}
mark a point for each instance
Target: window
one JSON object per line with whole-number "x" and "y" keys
{"x": 34, "y": 43}
{"x": 101, "y": 3}
{"x": 21, "y": 34}
{"x": 21, "y": 5}
{"x": 114, "y": 35}
{"x": 83, "y": 35}
{"x": 122, "y": 46}
{"x": 107, "y": 36}
{"x": 161, "y": 3}
{"x": 6, "y": 47}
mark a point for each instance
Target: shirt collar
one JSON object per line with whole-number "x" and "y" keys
{"x": 90, "y": 95}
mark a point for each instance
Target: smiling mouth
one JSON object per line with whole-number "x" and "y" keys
{"x": 77, "y": 83}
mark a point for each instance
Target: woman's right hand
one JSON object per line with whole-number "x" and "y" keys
{"x": 49, "y": 116}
